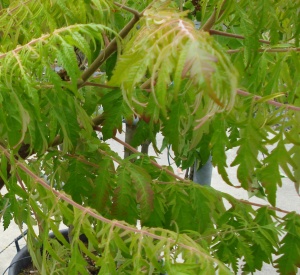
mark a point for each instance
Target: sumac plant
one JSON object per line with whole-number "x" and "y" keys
{"x": 208, "y": 75}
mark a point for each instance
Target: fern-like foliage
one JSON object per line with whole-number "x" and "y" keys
{"x": 183, "y": 65}
{"x": 23, "y": 21}
{"x": 26, "y": 74}
{"x": 71, "y": 69}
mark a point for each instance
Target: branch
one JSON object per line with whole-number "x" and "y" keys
{"x": 210, "y": 22}
{"x": 41, "y": 38}
{"x": 93, "y": 84}
{"x": 107, "y": 52}
{"x": 134, "y": 12}
{"x": 101, "y": 218}
{"x": 271, "y": 102}
{"x": 94, "y": 214}
{"x": 274, "y": 50}
{"x": 184, "y": 181}
{"x": 98, "y": 120}
{"x": 215, "y": 32}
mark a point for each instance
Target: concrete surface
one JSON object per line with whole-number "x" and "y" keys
{"x": 287, "y": 199}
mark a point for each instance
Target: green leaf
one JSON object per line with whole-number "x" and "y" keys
{"x": 219, "y": 142}
{"x": 25, "y": 118}
{"x": 270, "y": 175}
{"x": 112, "y": 111}
{"x": 124, "y": 203}
{"x": 161, "y": 91}
{"x": 201, "y": 202}
{"x": 102, "y": 191}
{"x": 67, "y": 58}
{"x": 289, "y": 260}
{"x": 76, "y": 39}
{"x": 142, "y": 184}
{"x": 173, "y": 124}
{"x": 79, "y": 184}
{"x": 251, "y": 143}
{"x": 121, "y": 244}
{"x": 156, "y": 217}
{"x": 6, "y": 216}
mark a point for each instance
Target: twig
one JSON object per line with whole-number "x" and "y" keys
{"x": 132, "y": 149}
{"x": 99, "y": 85}
{"x": 109, "y": 156}
{"x": 105, "y": 38}
{"x": 10, "y": 11}
{"x": 215, "y": 32}
{"x": 83, "y": 160}
{"x": 85, "y": 84}
{"x": 274, "y": 50}
{"x": 147, "y": 84}
{"x": 271, "y": 102}
{"x": 226, "y": 232}
{"x": 152, "y": 162}
{"x": 264, "y": 205}
{"x": 280, "y": 50}
{"x": 20, "y": 182}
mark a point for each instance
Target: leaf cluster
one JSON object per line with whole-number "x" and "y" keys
{"x": 232, "y": 84}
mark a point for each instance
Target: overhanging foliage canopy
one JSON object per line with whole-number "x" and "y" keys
{"x": 233, "y": 82}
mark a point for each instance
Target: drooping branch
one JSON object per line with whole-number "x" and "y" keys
{"x": 41, "y": 38}
{"x": 186, "y": 182}
{"x": 67, "y": 199}
{"x": 99, "y": 217}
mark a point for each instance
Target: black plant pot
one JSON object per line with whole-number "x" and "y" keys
{"x": 19, "y": 262}
{"x": 22, "y": 259}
